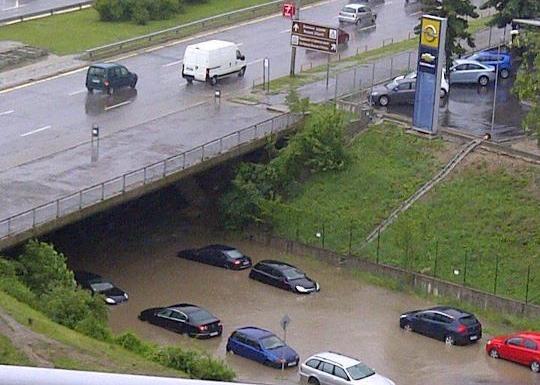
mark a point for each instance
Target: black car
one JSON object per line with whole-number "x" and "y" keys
{"x": 218, "y": 255}
{"x": 451, "y": 325}
{"x": 108, "y": 77}
{"x": 184, "y": 318}
{"x": 99, "y": 285}
{"x": 284, "y": 276}
{"x": 398, "y": 91}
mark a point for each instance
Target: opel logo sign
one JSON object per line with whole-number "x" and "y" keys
{"x": 430, "y": 33}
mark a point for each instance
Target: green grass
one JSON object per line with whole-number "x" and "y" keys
{"x": 77, "y": 31}
{"x": 483, "y": 214}
{"x": 387, "y": 167}
{"x": 82, "y": 352}
{"x": 10, "y": 355}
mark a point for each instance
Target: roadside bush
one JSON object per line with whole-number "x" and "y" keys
{"x": 131, "y": 342}
{"x": 12, "y": 285}
{"x": 94, "y": 328}
{"x": 111, "y": 10}
{"x": 208, "y": 368}
{"x": 139, "y": 11}
{"x": 140, "y": 14}
{"x": 44, "y": 268}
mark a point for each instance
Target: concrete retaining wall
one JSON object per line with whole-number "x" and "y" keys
{"x": 427, "y": 284}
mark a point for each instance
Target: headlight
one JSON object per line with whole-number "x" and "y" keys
{"x": 317, "y": 287}
{"x": 126, "y": 296}
{"x": 403, "y": 316}
{"x": 110, "y": 301}
{"x": 301, "y": 289}
{"x": 489, "y": 342}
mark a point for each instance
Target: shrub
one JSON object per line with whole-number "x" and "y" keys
{"x": 111, "y": 10}
{"x": 94, "y": 328}
{"x": 139, "y": 11}
{"x": 208, "y": 368}
{"x": 140, "y": 14}
{"x": 131, "y": 342}
{"x": 18, "y": 290}
{"x": 44, "y": 268}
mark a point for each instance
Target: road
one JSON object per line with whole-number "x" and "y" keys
{"x": 52, "y": 115}
{"x": 15, "y": 8}
{"x": 136, "y": 248}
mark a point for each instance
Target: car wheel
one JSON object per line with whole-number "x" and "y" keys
{"x": 213, "y": 80}
{"x": 384, "y": 100}
{"x": 504, "y": 73}
{"x": 449, "y": 340}
{"x": 189, "y": 80}
{"x": 228, "y": 349}
{"x": 535, "y": 366}
{"x": 133, "y": 83}
{"x": 442, "y": 94}
{"x": 90, "y": 89}
{"x": 313, "y": 381}
{"x": 242, "y": 72}
{"x": 408, "y": 327}
{"x": 483, "y": 81}
{"x": 493, "y": 353}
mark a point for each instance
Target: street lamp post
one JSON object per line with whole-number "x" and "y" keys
{"x": 495, "y": 90}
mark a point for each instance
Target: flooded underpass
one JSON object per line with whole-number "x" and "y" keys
{"x": 136, "y": 247}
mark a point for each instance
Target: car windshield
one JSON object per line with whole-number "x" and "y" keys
{"x": 293, "y": 274}
{"x": 271, "y": 342}
{"x": 101, "y": 286}
{"x": 468, "y": 321}
{"x": 234, "y": 254}
{"x": 200, "y": 316}
{"x": 359, "y": 371}
{"x": 391, "y": 85}
{"x": 348, "y": 9}
{"x": 412, "y": 75}
{"x": 97, "y": 71}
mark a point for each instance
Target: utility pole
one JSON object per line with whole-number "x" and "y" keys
{"x": 293, "y": 49}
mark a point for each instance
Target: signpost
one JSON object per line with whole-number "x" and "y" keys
{"x": 285, "y": 321}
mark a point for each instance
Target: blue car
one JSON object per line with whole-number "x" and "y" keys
{"x": 262, "y": 346}
{"x": 503, "y": 60}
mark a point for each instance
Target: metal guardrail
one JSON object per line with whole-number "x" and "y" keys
{"x": 47, "y": 12}
{"x": 100, "y": 192}
{"x": 185, "y": 29}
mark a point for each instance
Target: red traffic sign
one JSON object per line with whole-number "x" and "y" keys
{"x": 288, "y": 10}
{"x": 313, "y": 36}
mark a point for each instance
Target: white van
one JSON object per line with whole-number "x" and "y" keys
{"x": 212, "y": 60}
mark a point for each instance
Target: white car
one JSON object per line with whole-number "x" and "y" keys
{"x": 356, "y": 13}
{"x": 445, "y": 86}
{"x": 329, "y": 368}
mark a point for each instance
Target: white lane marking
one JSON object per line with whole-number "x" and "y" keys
{"x": 173, "y": 63}
{"x": 77, "y": 92}
{"x": 285, "y": 30}
{"x": 117, "y": 105}
{"x": 6, "y": 112}
{"x": 255, "y": 61}
{"x": 36, "y": 130}
{"x": 417, "y": 13}
{"x": 43, "y": 80}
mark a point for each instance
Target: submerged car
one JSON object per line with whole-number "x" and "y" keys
{"x": 99, "y": 285}
{"x": 108, "y": 77}
{"x": 523, "y": 348}
{"x": 284, "y": 276}
{"x": 330, "y": 368}
{"x": 449, "y": 324}
{"x": 500, "y": 60}
{"x": 218, "y": 255}
{"x": 466, "y": 71}
{"x": 262, "y": 346}
{"x": 356, "y": 14}
{"x": 184, "y": 318}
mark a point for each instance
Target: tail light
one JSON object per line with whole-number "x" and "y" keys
{"x": 202, "y": 328}
{"x": 462, "y": 329}
{"x": 106, "y": 83}
{"x": 237, "y": 262}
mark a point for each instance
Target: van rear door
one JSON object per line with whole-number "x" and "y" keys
{"x": 195, "y": 63}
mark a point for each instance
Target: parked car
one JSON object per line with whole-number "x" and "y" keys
{"x": 284, "y": 276}
{"x": 99, "y": 285}
{"x": 184, "y": 318}
{"x": 343, "y": 37}
{"x": 108, "y": 77}
{"x": 368, "y": 2}
{"x": 445, "y": 87}
{"x": 262, "y": 346}
{"x": 451, "y": 325}
{"x": 471, "y": 72}
{"x": 502, "y": 60}
{"x": 218, "y": 255}
{"x": 357, "y": 14}
{"x": 396, "y": 92}
{"x": 330, "y": 368}
{"x": 523, "y": 348}
{"x": 212, "y": 60}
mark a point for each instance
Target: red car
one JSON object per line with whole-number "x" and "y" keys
{"x": 523, "y": 348}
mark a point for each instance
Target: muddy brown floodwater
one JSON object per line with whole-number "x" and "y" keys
{"x": 347, "y": 316}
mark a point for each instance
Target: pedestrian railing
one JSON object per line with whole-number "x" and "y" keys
{"x": 47, "y": 12}
{"x": 132, "y": 180}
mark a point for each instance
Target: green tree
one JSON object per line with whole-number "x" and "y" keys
{"x": 511, "y": 9}
{"x": 44, "y": 268}
{"x": 527, "y": 84}
{"x": 456, "y": 11}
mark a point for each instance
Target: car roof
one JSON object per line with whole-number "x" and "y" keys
{"x": 337, "y": 358}
{"x": 530, "y": 335}
{"x": 451, "y": 311}
{"x": 86, "y": 275}
{"x": 276, "y": 264}
{"x": 219, "y": 247}
{"x": 185, "y": 307}
{"x": 255, "y": 332}
{"x": 356, "y": 5}
{"x": 468, "y": 61}
{"x": 105, "y": 65}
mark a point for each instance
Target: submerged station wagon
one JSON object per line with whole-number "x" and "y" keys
{"x": 108, "y": 77}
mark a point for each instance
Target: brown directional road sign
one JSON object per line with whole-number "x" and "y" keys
{"x": 313, "y": 36}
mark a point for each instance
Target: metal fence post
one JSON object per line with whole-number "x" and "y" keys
{"x": 144, "y": 175}
{"x": 350, "y": 238}
{"x": 255, "y": 132}
{"x": 378, "y": 244}
{"x": 391, "y": 65}
{"x": 103, "y": 191}
{"x": 354, "y": 78}
{"x": 322, "y": 235}
{"x": 496, "y": 274}
{"x": 33, "y": 218}
{"x": 465, "y": 268}
{"x": 220, "y": 145}
{"x": 272, "y": 127}
{"x": 527, "y": 284}
{"x": 436, "y": 258}
{"x": 238, "y": 143}
{"x": 123, "y": 183}
{"x": 164, "y": 168}
{"x": 202, "y": 153}
{"x": 80, "y": 199}
{"x": 409, "y": 62}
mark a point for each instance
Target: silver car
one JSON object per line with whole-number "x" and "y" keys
{"x": 471, "y": 72}
{"x": 329, "y": 368}
{"x": 356, "y": 13}
{"x": 398, "y": 91}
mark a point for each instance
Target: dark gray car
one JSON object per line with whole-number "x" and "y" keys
{"x": 399, "y": 91}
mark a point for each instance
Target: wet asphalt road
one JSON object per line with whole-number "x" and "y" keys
{"x": 137, "y": 249}
{"x": 55, "y": 114}
{"x": 12, "y": 8}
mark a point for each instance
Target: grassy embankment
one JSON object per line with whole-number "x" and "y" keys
{"x": 77, "y": 31}
{"x": 486, "y": 211}
{"x": 69, "y": 349}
